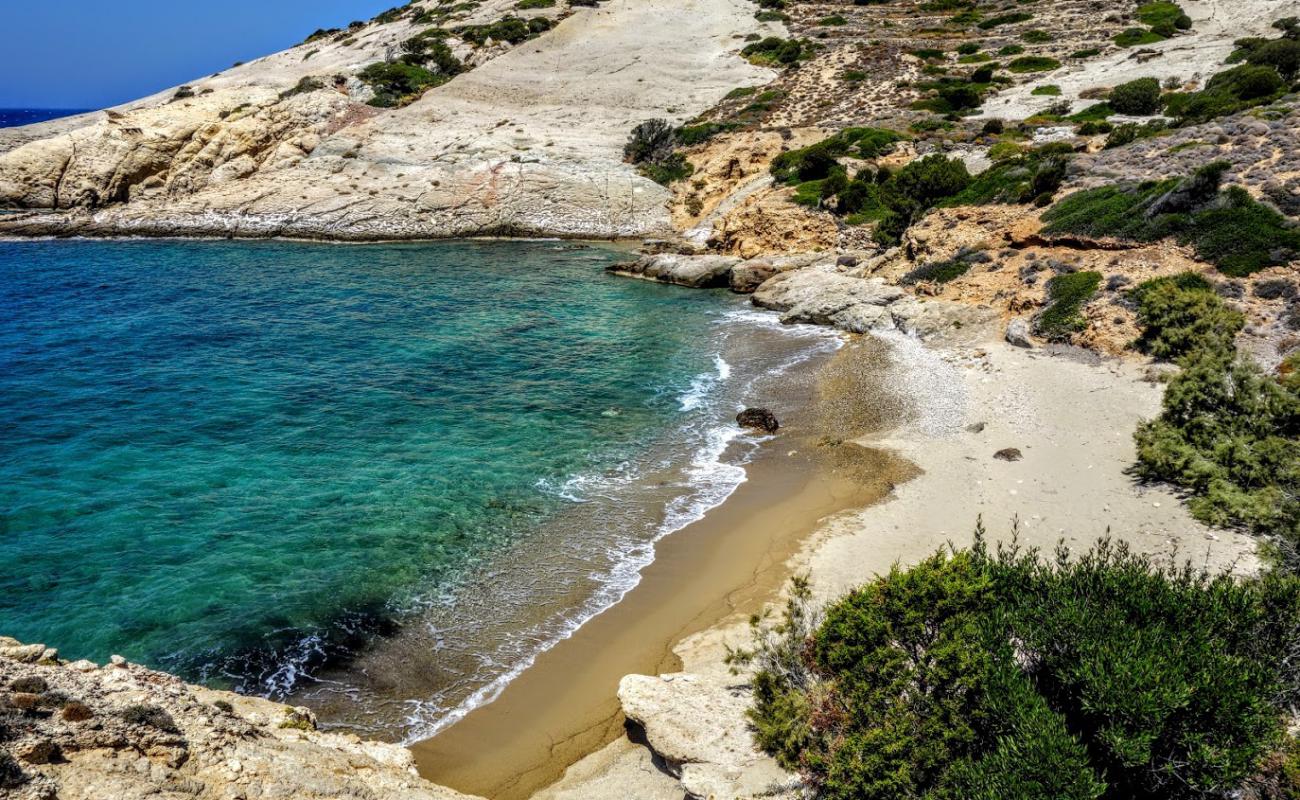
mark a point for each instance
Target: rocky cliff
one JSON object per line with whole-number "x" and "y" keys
{"x": 527, "y": 138}
{"x": 79, "y": 731}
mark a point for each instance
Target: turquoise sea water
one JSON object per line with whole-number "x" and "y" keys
{"x": 251, "y": 462}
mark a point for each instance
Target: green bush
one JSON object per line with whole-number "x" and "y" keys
{"x": 1011, "y": 50}
{"x": 816, "y": 161}
{"x": 398, "y": 83}
{"x": 1033, "y": 64}
{"x": 507, "y": 29}
{"x": 1132, "y": 37}
{"x": 1139, "y": 98}
{"x": 1181, "y": 314}
{"x": 1066, "y": 296}
{"x": 1230, "y": 435}
{"x": 524, "y": 5}
{"x": 774, "y": 51}
{"x": 690, "y": 135}
{"x": 937, "y": 272}
{"x": 1228, "y": 92}
{"x": 1037, "y": 37}
{"x": 1047, "y": 90}
{"x": 1002, "y": 676}
{"x": 916, "y": 188}
{"x": 1018, "y": 179}
{"x": 833, "y": 20}
{"x": 1164, "y": 18}
{"x": 1282, "y": 55}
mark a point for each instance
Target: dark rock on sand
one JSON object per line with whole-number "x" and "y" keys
{"x": 759, "y": 419}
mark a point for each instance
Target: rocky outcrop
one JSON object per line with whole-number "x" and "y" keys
{"x": 79, "y": 731}
{"x": 759, "y": 419}
{"x": 697, "y": 724}
{"x": 825, "y": 296}
{"x": 695, "y": 271}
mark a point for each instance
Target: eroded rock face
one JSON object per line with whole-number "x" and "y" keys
{"x": 123, "y": 732}
{"x": 759, "y": 419}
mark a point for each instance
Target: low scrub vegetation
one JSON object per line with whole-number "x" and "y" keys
{"x": 651, "y": 147}
{"x": 1228, "y": 433}
{"x": 1033, "y": 64}
{"x": 1139, "y": 98}
{"x": 1226, "y": 227}
{"x": 1034, "y": 176}
{"x": 507, "y": 29}
{"x": 1004, "y": 676}
{"x": 1066, "y": 296}
{"x": 775, "y": 51}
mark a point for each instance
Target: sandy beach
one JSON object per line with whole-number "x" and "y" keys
{"x": 730, "y": 562}
{"x": 1070, "y": 415}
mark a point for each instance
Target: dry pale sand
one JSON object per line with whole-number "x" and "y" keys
{"x": 731, "y": 561}
{"x": 1073, "y": 421}
{"x": 1071, "y": 417}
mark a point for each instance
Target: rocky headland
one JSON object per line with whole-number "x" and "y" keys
{"x": 81, "y": 730}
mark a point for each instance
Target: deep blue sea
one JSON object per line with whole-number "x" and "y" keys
{"x": 256, "y": 463}
{"x": 13, "y": 117}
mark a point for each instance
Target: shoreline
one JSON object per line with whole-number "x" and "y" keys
{"x": 731, "y": 561}
{"x": 1072, "y": 418}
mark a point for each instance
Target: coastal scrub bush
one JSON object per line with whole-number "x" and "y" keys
{"x": 11, "y": 772}
{"x": 1033, "y": 64}
{"x": 153, "y": 716}
{"x": 1229, "y": 434}
{"x": 914, "y": 189}
{"x": 1235, "y": 89}
{"x": 816, "y": 160}
{"x": 1164, "y": 18}
{"x": 1066, "y": 296}
{"x": 1139, "y": 98}
{"x": 1006, "y": 676}
{"x": 398, "y": 83}
{"x": 1016, "y": 179}
{"x": 1132, "y": 37}
{"x": 1227, "y": 228}
{"x": 307, "y": 83}
{"x": 650, "y": 147}
{"x": 775, "y": 51}
{"x": 507, "y": 29}
{"x": 1282, "y": 55}
{"x": 525, "y": 5}
{"x": 1181, "y": 314}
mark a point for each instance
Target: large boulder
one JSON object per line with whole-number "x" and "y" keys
{"x": 758, "y": 419}
{"x": 698, "y": 272}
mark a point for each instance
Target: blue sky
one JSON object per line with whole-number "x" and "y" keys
{"x": 97, "y": 53}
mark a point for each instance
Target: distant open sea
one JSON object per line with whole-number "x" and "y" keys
{"x": 249, "y": 462}
{"x": 13, "y": 117}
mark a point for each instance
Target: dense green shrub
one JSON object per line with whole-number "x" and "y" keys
{"x": 914, "y": 189}
{"x": 1181, "y": 314}
{"x": 815, "y": 161}
{"x": 1282, "y": 55}
{"x": 1230, "y": 434}
{"x": 1033, "y": 64}
{"x": 525, "y": 5}
{"x": 650, "y": 147}
{"x": 1137, "y": 98}
{"x": 1066, "y": 296}
{"x": 398, "y": 83}
{"x": 1018, "y": 179}
{"x": 1227, "y": 92}
{"x": 774, "y": 51}
{"x": 1164, "y": 18}
{"x": 937, "y": 272}
{"x": 1002, "y": 676}
{"x": 507, "y": 29}
{"x": 690, "y": 135}
{"x": 1227, "y": 228}
{"x": 1132, "y": 37}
